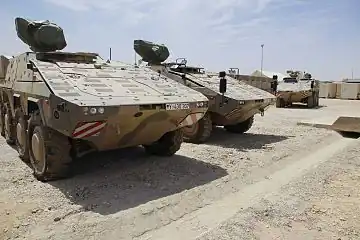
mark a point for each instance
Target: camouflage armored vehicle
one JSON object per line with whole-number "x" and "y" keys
{"x": 56, "y": 106}
{"x": 298, "y": 88}
{"x": 262, "y": 82}
{"x": 232, "y": 104}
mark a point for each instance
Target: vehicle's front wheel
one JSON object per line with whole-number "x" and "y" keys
{"x": 167, "y": 145}
{"x": 280, "y": 103}
{"x": 317, "y": 99}
{"x": 311, "y": 101}
{"x": 2, "y": 120}
{"x": 241, "y": 127}
{"x": 49, "y": 152}
{"x": 200, "y": 131}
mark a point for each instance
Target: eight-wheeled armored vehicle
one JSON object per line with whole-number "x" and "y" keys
{"x": 298, "y": 88}
{"x": 56, "y": 106}
{"x": 233, "y": 104}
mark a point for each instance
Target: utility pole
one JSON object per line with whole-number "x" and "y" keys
{"x": 352, "y": 74}
{"x": 110, "y": 54}
{"x": 262, "y": 58}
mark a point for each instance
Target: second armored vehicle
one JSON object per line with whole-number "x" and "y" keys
{"x": 298, "y": 88}
{"x": 58, "y": 105}
{"x": 233, "y": 104}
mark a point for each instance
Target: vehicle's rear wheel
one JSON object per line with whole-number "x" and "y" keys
{"x": 22, "y": 142}
{"x": 167, "y": 145}
{"x": 9, "y": 126}
{"x": 241, "y": 127}
{"x": 49, "y": 152}
{"x": 200, "y": 131}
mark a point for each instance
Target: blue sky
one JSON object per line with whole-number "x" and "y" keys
{"x": 319, "y": 36}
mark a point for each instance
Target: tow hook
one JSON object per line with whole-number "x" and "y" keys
{"x": 262, "y": 112}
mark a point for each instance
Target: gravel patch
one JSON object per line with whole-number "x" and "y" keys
{"x": 125, "y": 194}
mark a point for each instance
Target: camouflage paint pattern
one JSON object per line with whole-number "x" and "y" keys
{"x": 240, "y": 101}
{"x": 133, "y": 100}
{"x": 299, "y": 91}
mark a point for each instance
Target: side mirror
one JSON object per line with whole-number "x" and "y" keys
{"x": 223, "y": 84}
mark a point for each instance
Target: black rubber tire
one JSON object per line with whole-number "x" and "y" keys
{"x": 311, "y": 101}
{"x": 317, "y": 99}
{"x": 167, "y": 145}
{"x": 23, "y": 150}
{"x": 203, "y": 131}
{"x": 57, "y": 164}
{"x": 9, "y": 136}
{"x": 2, "y": 120}
{"x": 280, "y": 103}
{"x": 241, "y": 127}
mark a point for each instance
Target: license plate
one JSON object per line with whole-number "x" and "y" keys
{"x": 177, "y": 106}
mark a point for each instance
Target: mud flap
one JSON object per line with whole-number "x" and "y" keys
{"x": 347, "y": 124}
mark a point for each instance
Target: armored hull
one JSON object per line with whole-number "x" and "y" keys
{"x": 98, "y": 106}
{"x": 235, "y": 109}
{"x": 232, "y": 104}
{"x": 238, "y": 103}
{"x": 298, "y": 91}
{"x": 56, "y": 106}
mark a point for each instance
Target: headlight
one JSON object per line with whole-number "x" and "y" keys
{"x": 93, "y": 110}
{"x": 202, "y": 104}
{"x": 101, "y": 110}
{"x": 241, "y": 102}
{"x": 86, "y": 110}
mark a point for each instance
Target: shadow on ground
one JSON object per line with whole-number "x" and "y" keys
{"x": 109, "y": 182}
{"x": 303, "y": 106}
{"x": 242, "y": 142}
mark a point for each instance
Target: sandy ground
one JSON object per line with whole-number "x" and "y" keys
{"x": 278, "y": 181}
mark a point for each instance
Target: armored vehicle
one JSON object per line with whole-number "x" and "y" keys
{"x": 233, "y": 104}
{"x": 262, "y": 82}
{"x": 56, "y": 106}
{"x": 298, "y": 88}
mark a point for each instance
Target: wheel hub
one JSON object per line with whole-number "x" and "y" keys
{"x": 38, "y": 149}
{"x": 191, "y": 130}
{"x": 20, "y": 134}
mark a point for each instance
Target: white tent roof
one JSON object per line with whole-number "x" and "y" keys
{"x": 269, "y": 74}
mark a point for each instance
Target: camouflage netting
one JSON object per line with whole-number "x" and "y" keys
{"x": 40, "y": 36}
{"x": 151, "y": 52}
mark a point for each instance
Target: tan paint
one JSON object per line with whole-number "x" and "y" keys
{"x": 240, "y": 98}
{"x": 133, "y": 99}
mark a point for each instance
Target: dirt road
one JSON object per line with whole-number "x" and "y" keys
{"x": 279, "y": 181}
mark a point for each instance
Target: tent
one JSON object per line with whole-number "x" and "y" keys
{"x": 269, "y": 74}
